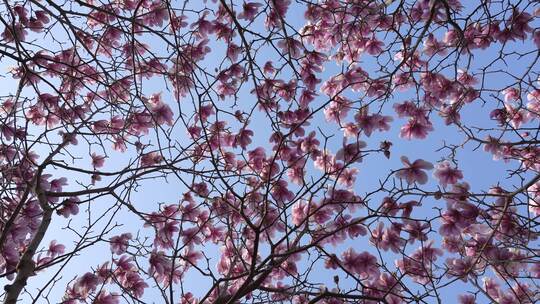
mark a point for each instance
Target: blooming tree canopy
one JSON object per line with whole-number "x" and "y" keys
{"x": 257, "y": 151}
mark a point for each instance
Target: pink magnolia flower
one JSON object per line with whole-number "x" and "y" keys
{"x": 296, "y": 173}
{"x": 534, "y": 103}
{"x": 57, "y": 184}
{"x": 516, "y": 116}
{"x": 416, "y": 128}
{"x": 106, "y": 298}
{"x": 355, "y": 231}
{"x": 467, "y": 299}
{"x": 322, "y": 216}
{"x": 446, "y": 174}
{"x": 203, "y": 26}
{"x": 374, "y": 46}
{"x": 534, "y": 200}
{"x": 337, "y": 110}
{"x": 164, "y": 235}
{"x": 269, "y": 68}
{"x": 460, "y": 268}
{"x": 453, "y": 221}
{"x": 158, "y": 13}
{"x": 368, "y": 123}
{"x": 119, "y": 144}
{"x": 151, "y": 159}
{"x": 363, "y": 264}
{"x": 120, "y": 243}
{"x": 299, "y": 212}
{"x": 351, "y": 152}
{"x": 465, "y": 78}
{"x": 69, "y": 207}
{"x": 409, "y": 108}
{"x": 450, "y": 113}
{"x": 162, "y": 113}
{"x": 310, "y": 143}
{"x": 414, "y": 172}
{"x": 191, "y": 236}
{"x": 332, "y": 262}
{"x": 243, "y": 138}
{"x": 347, "y": 177}
{"x": 191, "y": 256}
{"x": 189, "y": 298}
{"x": 291, "y": 46}
{"x": 325, "y": 162}
{"x": 7, "y": 153}
{"x": 432, "y": 46}
{"x": 97, "y": 160}
{"x": 20, "y": 33}
{"x": 86, "y": 284}
{"x": 133, "y": 282}
{"x": 206, "y": 111}
{"x": 140, "y": 122}
{"x": 55, "y": 249}
{"x": 214, "y": 234}
{"x": 103, "y": 272}
{"x": 159, "y": 263}
{"x": 350, "y": 130}
{"x": 124, "y": 264}
{"x": 201, "y": 189}
{"x": 280, "y": 191}
{"x": 416, "y": 230}
{"x": 392, "y": 240}
{"x": 69, "y": 138}
{"x": 511, "y": 94}
{"x": 250, "y": 10}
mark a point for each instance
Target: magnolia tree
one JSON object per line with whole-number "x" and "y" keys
{"x": 227, "y": 151}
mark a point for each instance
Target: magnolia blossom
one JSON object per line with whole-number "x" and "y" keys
{"x": 467, "y": 299}
{"x": 69, "y": 207}
{"x": 151, "y": 159}
{"x": 98, "y": 160}
{"x": 511, "y": 94}
{"x": 413, "y": 172}
{"x": 416, "y": 128}
{"x": 348, "y": 177}
{"x": 364, "y": 264}
{"x": 86, "y": 284}
{"x": 55, "y": 249}
{"x": 446, "y": 174}
{"x": 119, "y": 244}
{"x": 299, "y": 212}
{"x": 534, "y": 200}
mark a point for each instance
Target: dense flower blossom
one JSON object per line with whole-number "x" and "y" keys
{"x": 363, "y": 263}
{"x": 446, "y": 174}
{"x": 534, "y": 200}
{"x": 86, "y": 284}
{"x": 254, "y": 147}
